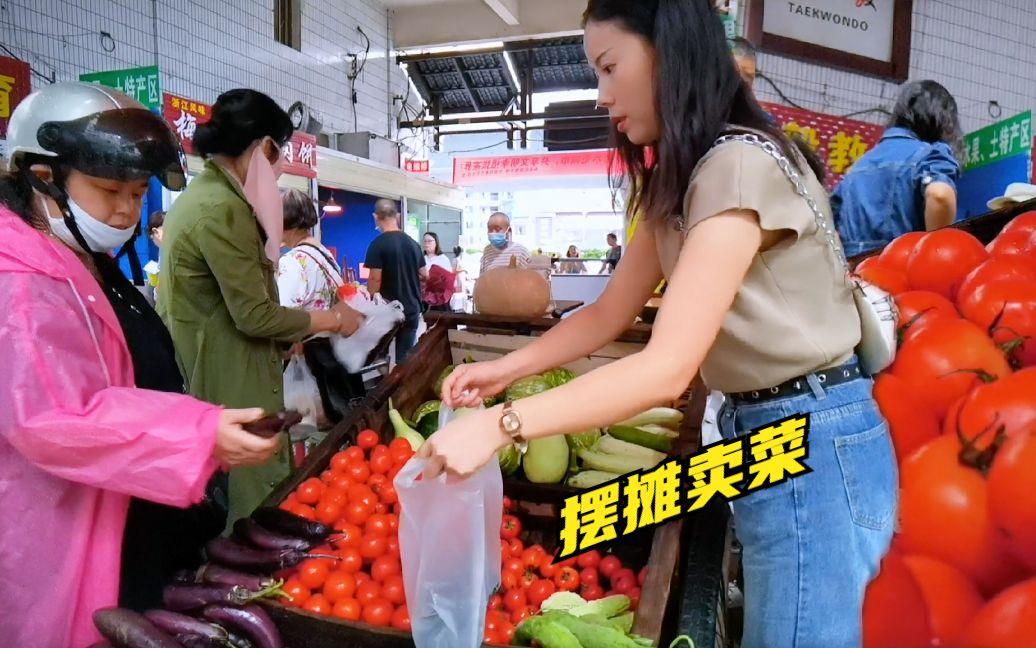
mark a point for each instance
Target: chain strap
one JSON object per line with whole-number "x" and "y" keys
{"x": 800, "y": 187}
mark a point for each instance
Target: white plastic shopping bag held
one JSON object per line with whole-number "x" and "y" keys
{"x": 449, "y": 543}
{"x": 301, "y": 393}
{"x": 380, "y": 318}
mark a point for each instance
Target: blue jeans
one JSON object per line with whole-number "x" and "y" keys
{"x": 407, "y": 336}
{"x": 813, "y": 543}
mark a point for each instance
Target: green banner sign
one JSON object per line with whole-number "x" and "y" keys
{"x": 139, "y": 83}
{"x": 1001, "y": 140}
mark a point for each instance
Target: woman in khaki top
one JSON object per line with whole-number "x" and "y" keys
{"x": 756, "y": 302}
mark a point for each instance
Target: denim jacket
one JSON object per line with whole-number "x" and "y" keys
{"x": 882, "y": 196}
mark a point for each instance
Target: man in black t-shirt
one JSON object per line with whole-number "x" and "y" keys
{"x": 397, "y": 268}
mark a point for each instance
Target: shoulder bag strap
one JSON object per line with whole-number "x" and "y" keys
{"x": 322, "y": 265}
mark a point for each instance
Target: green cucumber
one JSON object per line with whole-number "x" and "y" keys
{"x": 590, "y": 634}
{"x": 590, "y": 478}
{"x": 611, "y": 445}
{"x": 620, "y": 465}
{"x": 546, "y": 633}
{"x": 641, "y": 437}
{"x": 666, "y": 416}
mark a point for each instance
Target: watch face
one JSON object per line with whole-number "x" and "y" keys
{"x": 511, "y": 422}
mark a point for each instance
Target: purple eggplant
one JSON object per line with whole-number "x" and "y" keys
{"x": 253, "y": 532}
{"x": 128, "y": 629}
{"x": 237, "y": 641}
{"x": 271, "y": 426}
{"x": 219, "y": 575}
{"x": 180, "y": 597}
{"x": 281, "y": 521}
{"x": 181, "y": 624}
{"x": 250, "y": 621}
{"x": 228, "y": 553}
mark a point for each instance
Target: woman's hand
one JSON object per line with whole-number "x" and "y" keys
{"x": 349, "y": 319}
{"x": 469, "y": 383}
{"x": 236, "y": 447}
{"x": 465, "y": 445}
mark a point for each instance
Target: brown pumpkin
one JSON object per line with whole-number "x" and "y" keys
{"x": 512, "y": 292}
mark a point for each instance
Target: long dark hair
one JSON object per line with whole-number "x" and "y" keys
{"x": 240, "y": 117}
{"x": 698, "y": 94}
{"x": 438, "y": 250}
{"x": 929, "y": 111}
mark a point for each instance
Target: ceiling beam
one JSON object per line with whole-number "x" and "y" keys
{"x": 506, "y": 9}
{"x": 420, "y": 26}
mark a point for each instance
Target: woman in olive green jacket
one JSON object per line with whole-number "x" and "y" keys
{"x": 219, "y": 293}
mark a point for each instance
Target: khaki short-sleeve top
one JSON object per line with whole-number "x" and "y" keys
{"x": 794, "y": 313}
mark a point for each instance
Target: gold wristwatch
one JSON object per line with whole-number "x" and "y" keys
{"x": 511, "y": 425}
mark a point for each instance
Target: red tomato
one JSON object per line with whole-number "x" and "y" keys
{"x": 317, "y": 604}
{"x": 400, "y": 451}
{"x": 944, "y": 515}
{"x": 889, "y": 280}
{"x": 566, "y": 579}
{"x": 298, "y": 592}
{"x": 304, "y": 511}
{"x": 362, "y": 577}
{"x": 1011, "y": 482}
{"x": 313, "y": 572}
{"x": 508, "y": 503}
{"x": 496, "y": 602}
{"x": 290, "y": 501}
{"x": 623, "y": 583}
{"x": 1007, "y": 621}
{"x": 392, "y": 546}
{"x": 941, "y": 260}
{"x": 356, "y": 513}
{"x": 367, "y": 439}
{"x": 384, "y": 567}
{"x": 339, "y": 585}
{"x": 341, "y": 481}
{"x": 539, "y": 591}
{"x": 387, "y": 494}
{"x": 510, "y": 527}
{"x": 378, "y": 450}
{"x": 368, "y": 591}
{"x": 339, "y": 461}
{"x": 373, "y": 546}
{"x": 547, "y": 567}
{"x": 520, "y": 615}
{"x": 361, "y": 493}
{"x": 634, "y": 595}
{"x": 912, "y": 423}
{"x": 897, "y": 253}
{"x": 609, "y": 565}
{"x": 348, "y": 609}
{"x": 517, "y": 547}
{"x": 352, "y": 453}
{"x": 326, "y": 476}
{"x": 1021, "y": 223}
{"x": 378, "y": 612}
{"x": 393, "y": 591}
{"x": 589, "y": 576}
{"x": 869, "y": 262}
{"x": 1009, "y": 243}
{"x": 505, "y": 549}
{"x": 1006, "y": 309}
{"x": 1006, "y": 403}
{"x": 509, "y": 580}
{"x": 358, "y": 471}
{"x": 532, "y": 556}
{"x": 376, "y": 481}
{"x": 527, "y": 578}
{"x": 401, "y": 619}
{"x": 381, "y": 464}
{"x": 348, "y": 534}
{"x": 894, "y": 610}
{"x": 351, "y": 560}
{"x": 515, "y": 600}
{"x": 952, "y": 599}
{"x": 917, "y": 307}
{"x": 329, "y": 512}
{"x": 942, "y": 360}
{"x": 335, "y": 494}
{"x": 999, "y": 267}
{"x": 591, "y": 558}
{"x": 505, "y": 632}
{"x": 377, "y": 524}
{"x": 592, "y": 592}
{"x": 309, "y": 491}
{"x": 642, "y": 576}
{"x": 513, "y": 564}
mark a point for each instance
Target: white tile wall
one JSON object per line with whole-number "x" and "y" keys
{"x": 208, "y": 46}
{"x": 981, "y": 50}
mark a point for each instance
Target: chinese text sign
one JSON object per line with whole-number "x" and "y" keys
{"x": 184, "y": 116}
{"x": 139, "y": 83}
{"x": 14, "y": 86}
{"x": 483, "y": 170}
{"x": 1001, "y": 140}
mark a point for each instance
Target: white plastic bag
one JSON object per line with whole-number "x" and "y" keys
{"x": 301, "y": 393}
{"x": 380, "y": 318}
{"x": 449, "y": 543}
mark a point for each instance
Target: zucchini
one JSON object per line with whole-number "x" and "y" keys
{"x": 611, "y": 445}
{"x": 589, "y": 634}
{"x": 590, "y": 478}
{"x": 546, "y": 634}
{"x": 641, "y": 437}
{"x": 607, "y": 462}
{"x": 666, "y": 416}
{"x": 660, "y": 430}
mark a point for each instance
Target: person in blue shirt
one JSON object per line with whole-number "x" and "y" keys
{"x": 907, "y": 183}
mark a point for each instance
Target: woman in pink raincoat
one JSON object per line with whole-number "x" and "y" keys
{"x": 78, "y": 437}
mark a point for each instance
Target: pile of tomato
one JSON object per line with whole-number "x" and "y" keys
{"x": 363, "y": 581}
{"x": 530, "y": 575}
{"x": 960, "y": 400}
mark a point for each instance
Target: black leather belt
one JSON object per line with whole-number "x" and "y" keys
{"x": 797, "y": 386}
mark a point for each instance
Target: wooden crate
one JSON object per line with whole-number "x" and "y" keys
{"x": 450, "y": 339}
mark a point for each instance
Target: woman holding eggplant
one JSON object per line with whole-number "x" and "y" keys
{"x": 92, "y": 410}
{"x": 757, "y": 302}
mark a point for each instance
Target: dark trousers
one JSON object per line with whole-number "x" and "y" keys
{"x": 407, "y": 336}
{"x": 337, "y": 386}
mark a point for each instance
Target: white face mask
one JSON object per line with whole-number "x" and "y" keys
{"x": 101, "y": 237}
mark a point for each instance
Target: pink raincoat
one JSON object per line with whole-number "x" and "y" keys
{"x": 76, "y": 441}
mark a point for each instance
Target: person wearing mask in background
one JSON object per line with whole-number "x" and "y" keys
{"x": 92, "y": 410}
{"x": 757, "y": 303}
{"x": 308, "y": 278}
{"x": 502, "y": 246}
{"x": 611, "y": 259}
{"x": 907, "y": 183}
{"x": 397, "y": 268}
{"x": 221, "y": 241}
{"x": 438, "y": 290}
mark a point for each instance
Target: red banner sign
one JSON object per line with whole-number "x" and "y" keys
{"x": 839, "y": 142}
{"x": 184, "y": 115}
{"x": 15, "y": 85}
{"x": 418, "y": 166}
{"x": 482, "y": 170}
{"x": 300, "y": 155}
